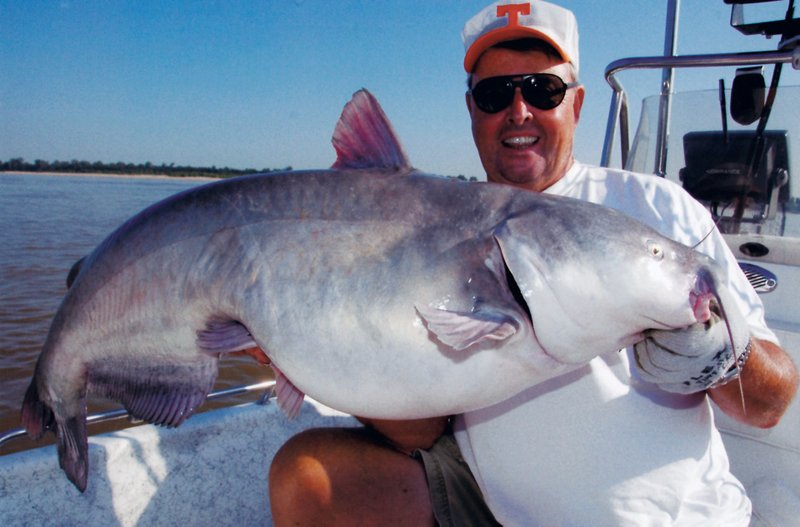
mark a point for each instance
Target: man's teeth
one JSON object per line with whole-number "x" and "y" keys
{"x": 521, "y": 141}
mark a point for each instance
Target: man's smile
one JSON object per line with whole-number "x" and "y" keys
{"x": 521, "y": 141}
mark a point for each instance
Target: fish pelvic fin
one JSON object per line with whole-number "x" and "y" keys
{"x": 225, "y": 336}
{"x": 364, "y": 137}
{"x": 230, "y": 336}
{"x": 460, "y": 330}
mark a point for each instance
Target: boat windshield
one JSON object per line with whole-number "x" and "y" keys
{"x": 749, "y": 181}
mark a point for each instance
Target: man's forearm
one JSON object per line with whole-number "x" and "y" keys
{"x": 768, "y": 381}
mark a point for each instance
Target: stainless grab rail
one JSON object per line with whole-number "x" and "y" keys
{"x": 110, "y": 415}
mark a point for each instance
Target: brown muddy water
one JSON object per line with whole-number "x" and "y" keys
{"x": 48, "y": 222}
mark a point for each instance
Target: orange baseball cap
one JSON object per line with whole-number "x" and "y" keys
{"x": 504, "y": 20}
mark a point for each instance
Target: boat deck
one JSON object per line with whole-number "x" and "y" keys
{"x": 150, "y": 475}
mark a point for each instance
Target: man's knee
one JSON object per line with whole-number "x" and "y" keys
{"x": 343, "y": 474}
{"x": 298, "y": 474}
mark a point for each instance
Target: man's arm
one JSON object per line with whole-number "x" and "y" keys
{"x": 769, "y": 381}
{"x": 700, "y": 356}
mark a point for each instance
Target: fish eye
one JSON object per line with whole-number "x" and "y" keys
{"x": 655, "y": 249}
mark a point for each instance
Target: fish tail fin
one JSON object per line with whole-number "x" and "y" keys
{"x": 73, "y": 449}
{"x": 37, "y": 416}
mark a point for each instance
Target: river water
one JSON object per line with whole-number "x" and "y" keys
{"x": 48, "y": 222}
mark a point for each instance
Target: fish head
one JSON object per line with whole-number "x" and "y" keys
{"x": 595, "y": 280}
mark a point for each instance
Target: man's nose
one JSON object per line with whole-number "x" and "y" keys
{"x": 519, "y": 112}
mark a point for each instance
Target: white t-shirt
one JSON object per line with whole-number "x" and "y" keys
{"x": 597, "y": 446}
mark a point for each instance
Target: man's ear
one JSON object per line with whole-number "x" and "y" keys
{"x": 577, "y": 104}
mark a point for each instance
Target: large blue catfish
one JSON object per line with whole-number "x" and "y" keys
{"x": 374, "y": 288}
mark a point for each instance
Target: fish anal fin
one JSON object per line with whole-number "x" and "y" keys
{"x": 460, "y": 330}
{"x": 364, "y": 137}
{"x": 289, "y": 396}
{"x": 159, "y": 393}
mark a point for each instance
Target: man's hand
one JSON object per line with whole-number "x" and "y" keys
{"x": 695, "y": 358}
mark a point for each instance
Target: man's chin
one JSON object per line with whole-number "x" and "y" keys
{"x": 527, "y": 179}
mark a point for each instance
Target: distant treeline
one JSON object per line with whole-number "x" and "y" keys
{"x": 85, "y": 167}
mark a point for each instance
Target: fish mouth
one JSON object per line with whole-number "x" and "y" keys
{"x": 703, "y": 302}
{"x": 703, "y": 297}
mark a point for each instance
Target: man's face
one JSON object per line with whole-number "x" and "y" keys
{"x": 523, "y": 145}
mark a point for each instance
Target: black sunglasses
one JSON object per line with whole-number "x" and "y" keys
{"x": 544, "y": 91}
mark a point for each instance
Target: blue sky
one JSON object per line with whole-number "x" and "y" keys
{"x": 261, "y": 83}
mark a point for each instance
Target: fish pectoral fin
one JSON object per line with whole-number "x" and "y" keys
{"x": 460, "y": 330}
{"x": 289, "y": 396}
{"x": 230, "y": 336}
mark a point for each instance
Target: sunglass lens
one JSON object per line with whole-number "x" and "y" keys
{"x": 494, "y": 94}
{"x": 544, "y": 91}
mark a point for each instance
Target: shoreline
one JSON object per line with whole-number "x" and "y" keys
{"x": 105, "y": 174}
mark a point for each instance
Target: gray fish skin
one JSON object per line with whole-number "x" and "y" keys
{"x": 382, "y": 292}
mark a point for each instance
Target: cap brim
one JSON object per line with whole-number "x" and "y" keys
{"x": 501, "y": 35}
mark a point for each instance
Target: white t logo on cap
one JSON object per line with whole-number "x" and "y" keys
{"x": 512, "y": 11}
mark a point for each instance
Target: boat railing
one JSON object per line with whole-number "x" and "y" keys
{"x": 121, "y": 413}
{"x": 618, "y": 111}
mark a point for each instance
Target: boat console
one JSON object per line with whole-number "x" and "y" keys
{"x": 764, "y": 17}
{"x": 729, "y": 170}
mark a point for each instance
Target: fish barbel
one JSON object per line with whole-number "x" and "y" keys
{"x": 374, "y": 288}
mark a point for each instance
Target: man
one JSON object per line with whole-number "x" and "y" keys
{"x": 609, "y": 444}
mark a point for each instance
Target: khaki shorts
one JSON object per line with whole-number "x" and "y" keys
{"x": 457, "y": 500}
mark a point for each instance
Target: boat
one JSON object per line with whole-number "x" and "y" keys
{"x": 735, "y": 146}
{"x": 212, "y": 470}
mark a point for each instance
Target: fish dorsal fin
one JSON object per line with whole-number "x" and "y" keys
{"x": 364, "y": 137}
